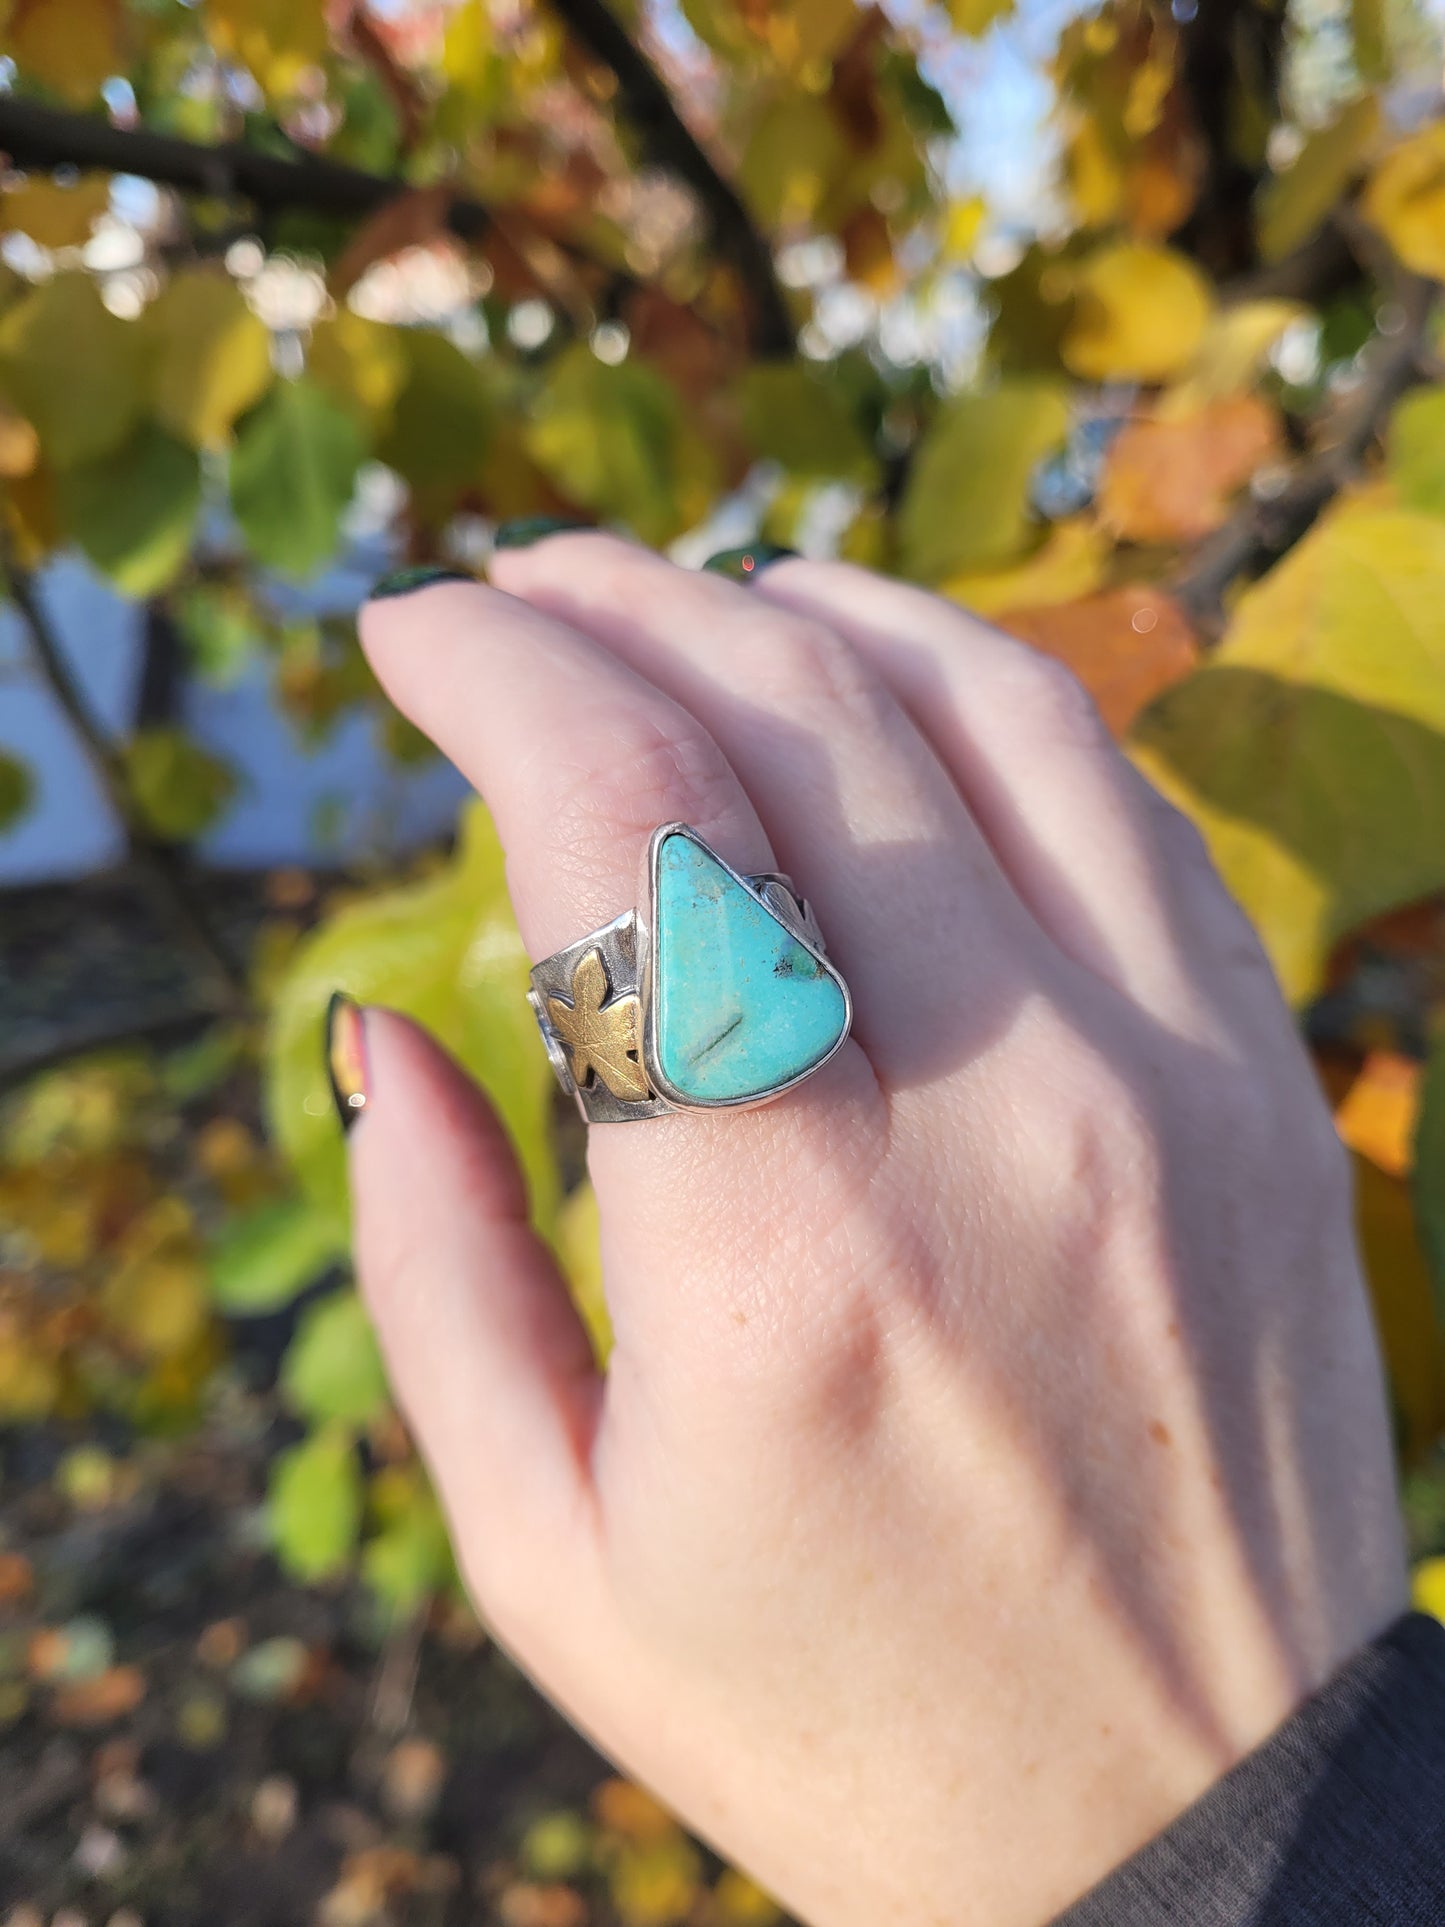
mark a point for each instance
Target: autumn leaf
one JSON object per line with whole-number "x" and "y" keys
{"x": 1380, "y": 1112}
{"x": 1405, "y": 200}
{"x": 602, "y": 1037}
{"x": 68, "y": 45}
{"x": 1169, "y": 480}
{"x": 1140, "y": 314}
{"x": 56, "y": 214}
{"x": 1126, "y": 646}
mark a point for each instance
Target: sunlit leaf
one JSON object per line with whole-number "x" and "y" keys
{"x": 293, "y": 469}
{"x": 1295, "y": 204}
{"x": 1231, "y": 356}
{"x": 1140, "y": 314}
{"x": 360, "y": 363}
{"x": 72, "y": 369}
{"x": 134, "y": 510}
{"x": 796, "y": 150}
{"x": 54, "y": 213}
{"x": 1173, "y": 479}
{"x": 1417, "y": 450}
{"x": 446, "y": 951}
{"x": 179, "y": 788}
{"x": 1405, "y": 200}
{"x": 1369, "y": 27}
{"x": 264, "y": 1258}
{"x": 410, "y": 1558}
{"x": 277, "y": 39}
{"x": 332, "y": 1368}
{"x": 1072, "y": 563}
{"x": 616, "y": 439}
{"x": 976, "y": 16}
{"x": 71, "y": 46}
{"x": 966, "y": 506}
{"x": 212, "y": 357}
{"x": 1311, "y": 746}
{"x": 314, "y": 1505}
{"x": 17, "y": 790}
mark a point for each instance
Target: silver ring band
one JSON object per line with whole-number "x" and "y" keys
{"x": 628, "y": 1034}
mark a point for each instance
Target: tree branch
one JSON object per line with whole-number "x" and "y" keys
{"x": 37, "y": 136}
{"x": 668, "y": 142}
{"x": 154, "y": 862}
{"x": 1262, "y": 531}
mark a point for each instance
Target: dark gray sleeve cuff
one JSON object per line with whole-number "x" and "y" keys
{"x": 1336, "y": 1821}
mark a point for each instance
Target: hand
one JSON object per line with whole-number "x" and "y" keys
{"x": 994, "y": 1448}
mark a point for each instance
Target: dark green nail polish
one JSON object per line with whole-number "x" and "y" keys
{"x": 346, "y": 1066}
{"x": 420, "y": 575}
{"x": 523, "y": 530}
{"x": 741, "y": 565}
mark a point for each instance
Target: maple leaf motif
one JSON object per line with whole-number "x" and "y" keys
{"x": 599, "y": 1036}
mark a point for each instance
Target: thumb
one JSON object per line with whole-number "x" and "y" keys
{"x": 489, "y": 1360}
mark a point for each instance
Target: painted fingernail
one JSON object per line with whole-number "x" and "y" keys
{"x": 523, "y": 530}
{"x": 741, "y": 565}
{"x": 346, "y": 1057}
{"x": 420, "y": 575}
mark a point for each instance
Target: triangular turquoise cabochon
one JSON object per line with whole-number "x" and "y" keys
{"x": 739, "y": 1005}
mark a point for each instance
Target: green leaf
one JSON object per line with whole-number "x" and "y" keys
{"x": 314, "y": 1505}
{"x": 212, "y": 356}
{"x": 616, "y": 440}
{"x": 1295, "y": 204}
{"x": 17, "y": 790}
{"x": 178, "y": 787}
{"x": 441, "y": 418}
{"x": 332, "y": 1368}
{"x": 293, "y": 470}
{"x": 1370, "y": 30}
{"x": 966, "y": 505}
{"x": 74, "y": 370}
{"x": 1417, "y": 450}
{"x": 803, "y": 421}
{"x": 268, "y": 1256}
{"x": 134, "y": 511}
{"x": 410, "y": 1558}
{"x": 1429, "y": 1175}
{"x": 447, "y": 952}
{"x": 1310, "y": 748}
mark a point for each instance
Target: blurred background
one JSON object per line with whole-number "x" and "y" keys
{"x": 1119, "y": 324}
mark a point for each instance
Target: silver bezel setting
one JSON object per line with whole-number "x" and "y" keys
{"x": 628, "y": 949}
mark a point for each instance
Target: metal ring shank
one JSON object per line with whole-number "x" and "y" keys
{"x": 622, "y": 946}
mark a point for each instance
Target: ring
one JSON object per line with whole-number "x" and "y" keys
{"x": 715, "y": 993}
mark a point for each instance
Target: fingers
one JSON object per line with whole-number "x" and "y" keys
{"x": 855, "y": 801}
{"x": 1121, "y": 881}
{"x": 578, "y": 758}
{"x": 490, "y": 1362}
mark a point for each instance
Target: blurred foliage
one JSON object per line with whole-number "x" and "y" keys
{"x": 1181, "y": 426}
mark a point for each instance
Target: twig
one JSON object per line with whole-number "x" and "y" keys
{"x": 155, "y": 863}
{"x": 36, "y": 136}
{"x": 668, "y": 142}
{"x": 1264, "y": 529}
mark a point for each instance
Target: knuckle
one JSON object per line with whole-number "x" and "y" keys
{"x": 802, "y": 665}
{"x": 635, "y": 772}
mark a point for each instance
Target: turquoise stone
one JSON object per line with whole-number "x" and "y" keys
{"x": 739, "y": 1005}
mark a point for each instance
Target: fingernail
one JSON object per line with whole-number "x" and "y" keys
{"x": 346, "y": 1057}
{"x": 419, "y": 576}
{"x": 741, "y": 565}
{"x": 523, "y": 530}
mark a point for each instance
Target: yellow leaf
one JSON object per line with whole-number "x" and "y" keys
{"x": 72, "y": 369}
{"x": 1310, "y": 749}
{"x": 1405, "y": 200}
{"x": 962, "y": 224}
{"x": 1427, "y": 1588}
{"x": 795, "y": 152}
{"x": 966, "y": 506}
{"x": 360, "y": 362}
{"x": 1370, "y": 29}
{"x": 212, "y": 359}
{"x": 1140, "y": 314}
{"x": 974, "y": 17}
{"x": 54, "y": 215}
{"x": 19, "y": 445}
{"x": 277, "y": 39}
{"x": 1380, "y": 1112}
{"x": 578, "y": 1243}
{"x": 69, "y": 45}
{"x": 804, "y": 33}
{"x": 1231, "y": 355}
{"x": 1404, "y": 1303}
{"x": 1070, "y": 564}
{"x": 1294, "y": 204}
{"x": 159, "y": 1304}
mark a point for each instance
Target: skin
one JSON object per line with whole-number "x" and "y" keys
{"x": 994, "y": 1449}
